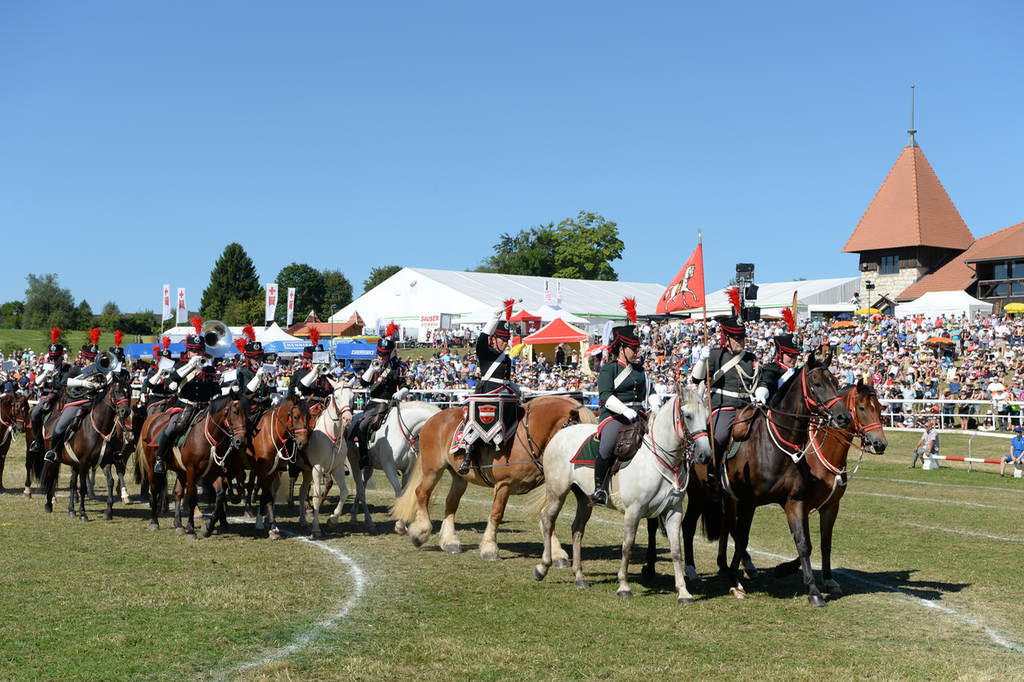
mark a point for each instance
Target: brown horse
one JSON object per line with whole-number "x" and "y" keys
{"x": 84, "y": 449}
{"x": 13, "y": 417}
{"x": 769, "y": 467}
{"x": 219, "y": 429}
{"x": 268, "y": 452}
{"x": 510, "y": 471}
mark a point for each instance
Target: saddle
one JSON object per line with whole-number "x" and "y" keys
{"x": 741, "y": 423}
{"x": 631, "y": 437}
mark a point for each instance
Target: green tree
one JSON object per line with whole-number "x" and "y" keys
{"x": 378, "y": 275}
{"x": 142, "y": 322}
{"x": 531, "y": 252}
{"x": 10, "y": 314}
{"x": 110, "y": 317}
{"x": 45, "y": 300}
{"x": 309, "y": 291}
{"x": 83, "y": 317}
{"x": 337, "y": 290}
{"x": 585, "y": 247}
{"x": 250, "y": 311}
{"x": 233, "y": 277}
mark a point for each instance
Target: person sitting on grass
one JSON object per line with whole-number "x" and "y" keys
{"x": 1016, "y": 454}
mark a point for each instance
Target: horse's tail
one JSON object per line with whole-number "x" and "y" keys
{"x": 47, "y": 474}
{"x": 536, "y": 500}
{"x": 711, "y": 518}
{"x": 34, "y": 465}
{"x": 404, "y": 509}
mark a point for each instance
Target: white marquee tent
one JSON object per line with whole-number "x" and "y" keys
{"x": 944, "y": 303}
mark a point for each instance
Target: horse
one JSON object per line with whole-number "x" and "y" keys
{"x": 217, "y": 431}
{"x": 267, "y": 452}
{"x": 768, "y": 468}
{"x": 509, "y": 470}
{"x": 393, "y": 447}
{"x": 84, "y": 448}
{"x": 653, "y": 484}
{"x": 13, "y": 417}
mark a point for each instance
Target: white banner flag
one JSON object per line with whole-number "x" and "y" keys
{"x": 167, "y": 303}
{"x": 271, "y": 301}
{"x": 547, "y": 292}
{"x": 182, "y": 308}
{"x": 291, "y": 306}
{"x": 559, "y": 285}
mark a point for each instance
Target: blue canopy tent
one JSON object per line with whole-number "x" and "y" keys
{"x": 354, "y": 350}
{"x": 144, "y": 351}
{"x": 285, "y": 348}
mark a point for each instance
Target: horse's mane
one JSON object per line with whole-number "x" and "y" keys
{"x": 421, "y": 404}
{"x": 221, "y": 401}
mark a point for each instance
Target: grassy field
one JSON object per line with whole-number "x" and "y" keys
{"x": 39, "y": 340}
{"x": 928, "y": 561}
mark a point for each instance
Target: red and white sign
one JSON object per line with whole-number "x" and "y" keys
{"x": 547, "y": 292}
{"x": 430, "y": 321}
{"x": 182, "y": 308}
{"x": 167, "y": 303}
{"x": 291, "y": 306}
{"x": 271, "y": 302}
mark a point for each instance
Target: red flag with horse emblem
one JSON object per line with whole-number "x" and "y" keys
{"x": 686, "y": 292}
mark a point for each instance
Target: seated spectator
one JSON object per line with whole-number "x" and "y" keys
{"x": 928, "y": 445}
{"x": 1016, "y": 454}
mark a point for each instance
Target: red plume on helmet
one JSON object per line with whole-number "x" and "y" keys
{"x": 787, "y": 315}
{"x": 166, "y": 341}
{"x": 240, "y": 344}
{"x": 392, "y": 329}
{"x": 507, "y": 305}
{"x": 314, "y": 336}
{"x": 156, "y": 352}
{"x": 629, "y": 305}
{"x": 197, "y": 324}
{"x": 249, "y": 333}
{"x": 118, "y": 336}
{"x": 55, "y": 334}
{"x": 734, "y": 299}
{"x": 94, "y": 336}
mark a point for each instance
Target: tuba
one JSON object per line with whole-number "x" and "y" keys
{"x": 217, "y": 337}
{"x": 104, "y": 364}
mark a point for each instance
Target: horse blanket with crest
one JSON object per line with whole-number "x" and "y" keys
{"x": 488, "y": 417}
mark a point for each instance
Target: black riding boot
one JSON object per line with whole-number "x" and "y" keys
{"x": 164, "y": 444}
{"x": 56, "y": 442}
{"x": 600, "y": 496}
{"x": 364, "y": 446}
{"x": 464, "y": 467}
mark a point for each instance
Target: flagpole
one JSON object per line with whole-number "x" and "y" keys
{"x": 702, "y": 287}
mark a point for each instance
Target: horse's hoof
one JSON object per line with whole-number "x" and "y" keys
{"x": 399, "y": 528}
{"x": 816, "y": 600}
{"x": 582, "y": 585}
{"x": 332, "y": 521}
{"x": 696, "y": 585}
{"x": 624, "y": 594}
{"x": 685, "y": 601}
{"x": 372, "y": 529}
{"x": 191, "y": 536}
{"x": 249, "y": 516}
{"x": 27, "y": 495}
{"x": 48, "y": 508}
{"x": 648, "y": 573}
{"x": 108, "y": 515}
{"x": 560, "y": 563}
{"x": 126, "y": 501}
{"x": 750, "y": 573}
{"x": 451, "y": 549}
{"x": 207, "y": 531}
{"x": 274, "y": 535}
{"x": 154, "y": 526}
{"x": 538, "y": 573}
{"x": 71, "y": 514}
{"x": 316, "y": 535}
{"x": 179, "y": 531}
{"x": 834, "y": 590}
{"x": 739, "y": 593}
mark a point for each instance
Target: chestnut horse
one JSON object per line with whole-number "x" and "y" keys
{"x": 769, "y": 467}
{"x": 268, "y": 452}
{"x": 84, "y": 449}
{"x": 219, "y": 429}
{"x": 13, "y": 417}
{"x": 514, "y": 470}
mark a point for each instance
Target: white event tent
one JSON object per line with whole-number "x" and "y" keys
{"x": 945, "y": 304}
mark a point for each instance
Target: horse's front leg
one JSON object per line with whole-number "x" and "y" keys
{"x": 267, "y": 498}
{"x": 827, "y": 523}
{"x": 448, "y": 539}
{"x": 83, "y": 486}
{"x": 360, "y": 500}
{"x": 742, "y": 517}
{"x": 192, "y": 500}
{"x": 317, "y": 475}
{"x": 579, "y": 525}
{"x": 489, "y": 545}
{"x": 673, "y": 523}
{"x": 71, "y": 491}
{"x": 629, "y": 527}
{"x": 179, "y": 492}
{"x": 307, "y": 476}
{"x": 555, "y": 501}
{"x": 648, "y": 571}
{"x": 796, "y": 515}
{"x": 108, "y": 513}
{"x": 125, "y": 497}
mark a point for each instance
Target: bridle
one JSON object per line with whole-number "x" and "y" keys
{"x": 684, "y": 451}
{"x": 818, "y": 413}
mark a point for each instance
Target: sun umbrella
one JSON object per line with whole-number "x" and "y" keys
{"x": 516, "y": 350}
{"x": 868, "y": 311}
{"x": 843, "y": 324}
{"x": 691, "y": 320}
{"x": 939, "y": 341}
{"x": 995, "y": 387}
{"x": 1013, "y": 307}
{"x": 844, "y": 316}
{"x": 594, "y": 350}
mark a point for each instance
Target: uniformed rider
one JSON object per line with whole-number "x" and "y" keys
{"x": 51, "y": 385}
{"x": 87, "y": 386}
{"x": 495, "y": 365}
{"x": 625, "y": 393}
{"x": 777, "y": 372}
{"x": 384, "y": 380}
{"x": 731, "y": 375}
{"x": 254, "y": 381}
{"x": 307, "y": 382}
{"x": 195, "y": 380}
{"x": 156, "y": 387}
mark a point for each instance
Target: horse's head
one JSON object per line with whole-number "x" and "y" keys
{"x": 692, "y": 411}
{"x": 297, "y": 421}
{"x": 235, "y": 417}
{"x": 821, "y": 391}
{"x": 19, "y": 413}
{"x": 343, "y": 398}
{"x": 121, "y": 398}
{"x": 867, "y": 416}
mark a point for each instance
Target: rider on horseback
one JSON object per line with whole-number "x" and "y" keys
{"x": 51, "y": 383}
{"x": 625, "y": 393}
{"x": 196, "y": 384}
{"x": 495, "y": 364}
{"x": 385, "y": 381}
{"x": 253, "y": 378}
{"x": 156, "y": 386}
{"x": 306, "y": 383}
{"x": 78, "y": 406}
{"x": 787, "y": 354}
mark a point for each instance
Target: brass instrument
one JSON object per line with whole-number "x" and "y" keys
{"x": 104, "y": 365}
{"x": 217, "y": 337}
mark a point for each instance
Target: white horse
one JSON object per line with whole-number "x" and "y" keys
{"x": 653, "y": 484}
{"x": 394, "y": 446}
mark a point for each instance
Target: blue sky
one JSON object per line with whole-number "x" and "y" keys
{"x": 137, "y": 140}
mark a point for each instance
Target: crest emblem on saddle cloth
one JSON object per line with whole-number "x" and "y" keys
{"x": 489, "y": 417}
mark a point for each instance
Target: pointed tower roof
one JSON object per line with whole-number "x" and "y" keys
{"x": 911, "y": 208}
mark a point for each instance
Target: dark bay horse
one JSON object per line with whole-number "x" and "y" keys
{"x": 510, "y": 471}
{"x": 268, "y": 452}
{"x": 769, "y": 467}
{"x": 84, "y": 449}
{"x": 218, "y": 430}
{"x": 13, "y": 417}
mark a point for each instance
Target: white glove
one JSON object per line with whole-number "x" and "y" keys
{"x": 261, "y": 371}
{"x": 704, "y": 353}
{"x": 402, "y": 393}
{"x": 629, "y": 413}
{"x": 78, "y": 382}
{"x": 525, "y": 392}
{"x": 760, "y": 395}
{"x": 498, "y": 312}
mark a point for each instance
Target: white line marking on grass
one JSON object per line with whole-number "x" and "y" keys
{"x": 929, "y": 499}
{"x": 954, "y": 531}
{"x": 942, "y": 485}
{"x": 359, "y": 582}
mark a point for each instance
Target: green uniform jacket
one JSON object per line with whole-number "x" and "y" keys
{"x": 771, "y": 375}
{"x": 262, "y": 395}
{"x": 734, "y": 388}
{"x": 386, "y": 388}
{"x": 318, "y": 389}
{"x": 632, "y": 391}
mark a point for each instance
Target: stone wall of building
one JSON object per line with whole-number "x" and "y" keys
{"x": 888, "y": 285}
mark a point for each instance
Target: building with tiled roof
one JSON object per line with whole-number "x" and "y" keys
{"x": 910, "y": 229}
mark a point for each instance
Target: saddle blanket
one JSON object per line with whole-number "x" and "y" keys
{"x": 586, "y": 456}
{"x": 459, "y": 441}
{"x": 490, "y": 417}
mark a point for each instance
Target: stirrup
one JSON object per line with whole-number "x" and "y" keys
{"x": 159, "y": 467}
{"x": 599, "y": 498}
{"x": 464, "y": 467}
{"x": 50, "y": 456}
